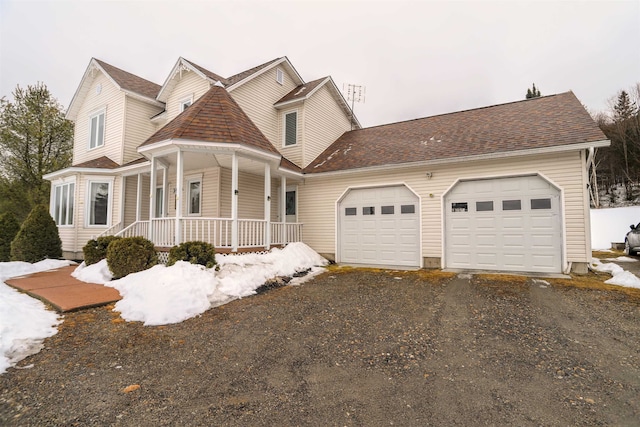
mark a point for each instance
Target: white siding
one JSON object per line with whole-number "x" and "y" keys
{"x": 257, "y": 97}
{"x": 318, "y": 196}
{"x": 189, "y": 85}
{"x": 210, "y": 191}
{"x": 324, "y": 122}
{"x": 112, "y": 100}
{"x": 250, "y": 195}
{"x": 138, "y": 127}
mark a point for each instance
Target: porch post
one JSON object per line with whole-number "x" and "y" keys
{"x": 139, "y": 198}
{"x": 179, "y": 185}
{"x": 152, "y": 194}
{"x": 165, "y": 184}
{"x": 267, "y": 205}
{"x": 283, "y": 208}
{"x": 234, "y": 202}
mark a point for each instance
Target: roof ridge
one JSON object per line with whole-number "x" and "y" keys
{"x": 464, "y": 111}
{"x": 101, "y": 63}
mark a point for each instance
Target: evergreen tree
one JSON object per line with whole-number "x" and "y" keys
{"x": 9, "y": 227}
{"x": 533, "y": 93}
{"x": 38, "y": 238}
{"x": 35, "y": 139}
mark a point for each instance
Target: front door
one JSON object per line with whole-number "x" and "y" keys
{"x": 291, "y": 207}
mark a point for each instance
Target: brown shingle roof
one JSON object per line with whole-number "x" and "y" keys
{"x": 240, "y": 76}
{"x": 215, "y": 117}
{"x": 301, "y": 91}
{"x": 536, "y": 123}
{"x": 100, "y": 163}
{"x": 288, "y": 164}
{"x": 130, "y": 82}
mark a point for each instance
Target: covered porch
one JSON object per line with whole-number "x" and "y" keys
{"x": 228, "y": 197}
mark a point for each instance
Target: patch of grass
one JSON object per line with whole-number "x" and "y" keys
{"x": 501, "y": 278}
{"x": 603, "y": 255}
{"x": 596, "y": 282}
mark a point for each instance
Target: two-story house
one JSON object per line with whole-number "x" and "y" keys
{"x": 263, "y": 158}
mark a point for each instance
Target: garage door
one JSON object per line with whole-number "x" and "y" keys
{"x": 379, "y": 226}
{"x": 509, "y": 224}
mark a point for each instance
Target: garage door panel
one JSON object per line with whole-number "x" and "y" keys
{"x": 525, "y": 239}
{"x": 389, "y": 238}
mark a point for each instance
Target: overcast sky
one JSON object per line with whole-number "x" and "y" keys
{"x": 415, "y": 59}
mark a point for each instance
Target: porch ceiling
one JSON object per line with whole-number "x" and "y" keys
{"x": 203, "y": 160}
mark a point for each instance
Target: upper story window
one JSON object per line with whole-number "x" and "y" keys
{"x": 279, "y": 76}
{"x": 290, "y": 129}
{"x": 96, "y": 130}
{"x": 185, "y": 103}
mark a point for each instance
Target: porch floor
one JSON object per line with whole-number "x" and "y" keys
{"x": 64, "y": 292}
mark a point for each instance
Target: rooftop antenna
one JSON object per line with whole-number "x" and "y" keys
{"x": 355, "y": 93}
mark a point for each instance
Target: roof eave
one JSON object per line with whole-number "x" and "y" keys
{"x": 488, "y": 156}
{"x": 205, "y": 145}
{"x": 274, "y": 64}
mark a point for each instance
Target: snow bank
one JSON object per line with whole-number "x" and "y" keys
{"x": 24, "y": 321}
{"x": 611, "y": 225}
{"x": 163, "y": 295}
{"x": 95, "y": 273}
{"x": 620, "y": 276}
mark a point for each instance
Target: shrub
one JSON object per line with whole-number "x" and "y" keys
{"x": 130, "y": 255}
{"x": 38, "y": 238}
{"x": 96, "y": 249}
{"x": 9, "y": 227}
{"x": 194, "y": 252}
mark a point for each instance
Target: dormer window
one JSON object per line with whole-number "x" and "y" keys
{"x": 186, "y": 103}
{"x": 290, "y": 128}
{"x": 96, "y": 130}
{"x": 279, "y": 76}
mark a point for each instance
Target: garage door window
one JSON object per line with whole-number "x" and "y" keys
{"x": 368, "y": 210}
{"x": 540, "y": 203}
{"x": 460, "y": 207}
{"x": 484, "y": 206}
{"x": 408, "y": 209}
{"x": 350, "y": 211}
{"x": 386, "y": 210}
{"x": 511, "y": 205}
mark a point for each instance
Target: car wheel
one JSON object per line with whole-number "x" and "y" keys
{"x": 627, "y": 248}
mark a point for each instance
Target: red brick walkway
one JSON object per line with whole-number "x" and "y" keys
{"x": 64, "y": 292}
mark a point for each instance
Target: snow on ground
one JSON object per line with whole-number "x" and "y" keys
{"x": 622, "y": 259}
{"x": 619, "y": 277}
{"x": 163, "y": 295}
{"x": 611, "y": 225}
{"x": 24, "y": 321}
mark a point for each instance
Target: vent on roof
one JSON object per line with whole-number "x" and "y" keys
{"x": 279, "y": 76}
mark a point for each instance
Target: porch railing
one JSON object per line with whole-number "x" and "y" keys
{"x": 217, "y": 231}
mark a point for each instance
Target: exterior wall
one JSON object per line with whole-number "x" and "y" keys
{"x": 318, "y": 196}
{"x": 189, "y": 85}
{"x": 250, "y": 195}
{"x": 113, "y": 101}
{"x": 292, "y": 152}
{"x": 137, "y": 126}
{"x": 131, "y": 199}
{"x": 210, "y": 191}
{"x": 324, "y": 123}
{"x": 256, "y": 98}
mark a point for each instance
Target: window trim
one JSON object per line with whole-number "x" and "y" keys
{"x": 87, "y": 214}
{"x": 183, "y": 101}
{"x": 159, "y": 197}
{"x": 97, "y": 113}
{"x": 284, "y": 129}
{"x": 280, "y": 76}
{"x": 189, "y": 180}
{"x": 70, "y": 217}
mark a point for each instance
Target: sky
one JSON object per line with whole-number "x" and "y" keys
{"x": 415, "y": 59}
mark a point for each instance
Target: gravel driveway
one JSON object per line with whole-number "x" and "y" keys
{"x": 350, "y": 348}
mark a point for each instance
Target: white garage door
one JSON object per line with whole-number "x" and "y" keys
{"x": 380, "y": 226}
{"x": 510, "y": 224}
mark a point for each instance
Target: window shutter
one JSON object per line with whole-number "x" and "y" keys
{"x": 291, "y": 124}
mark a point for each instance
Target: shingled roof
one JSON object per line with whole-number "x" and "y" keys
{"x": 100, "y": 163}
{"x": 130, "y": 82}
{"x": 209, "y": 74}
{"x": 244, "y": 74}
{"x": 538, "y": 123}
{"x": 301, "y": 91}
{"x": 215, "y": 117}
